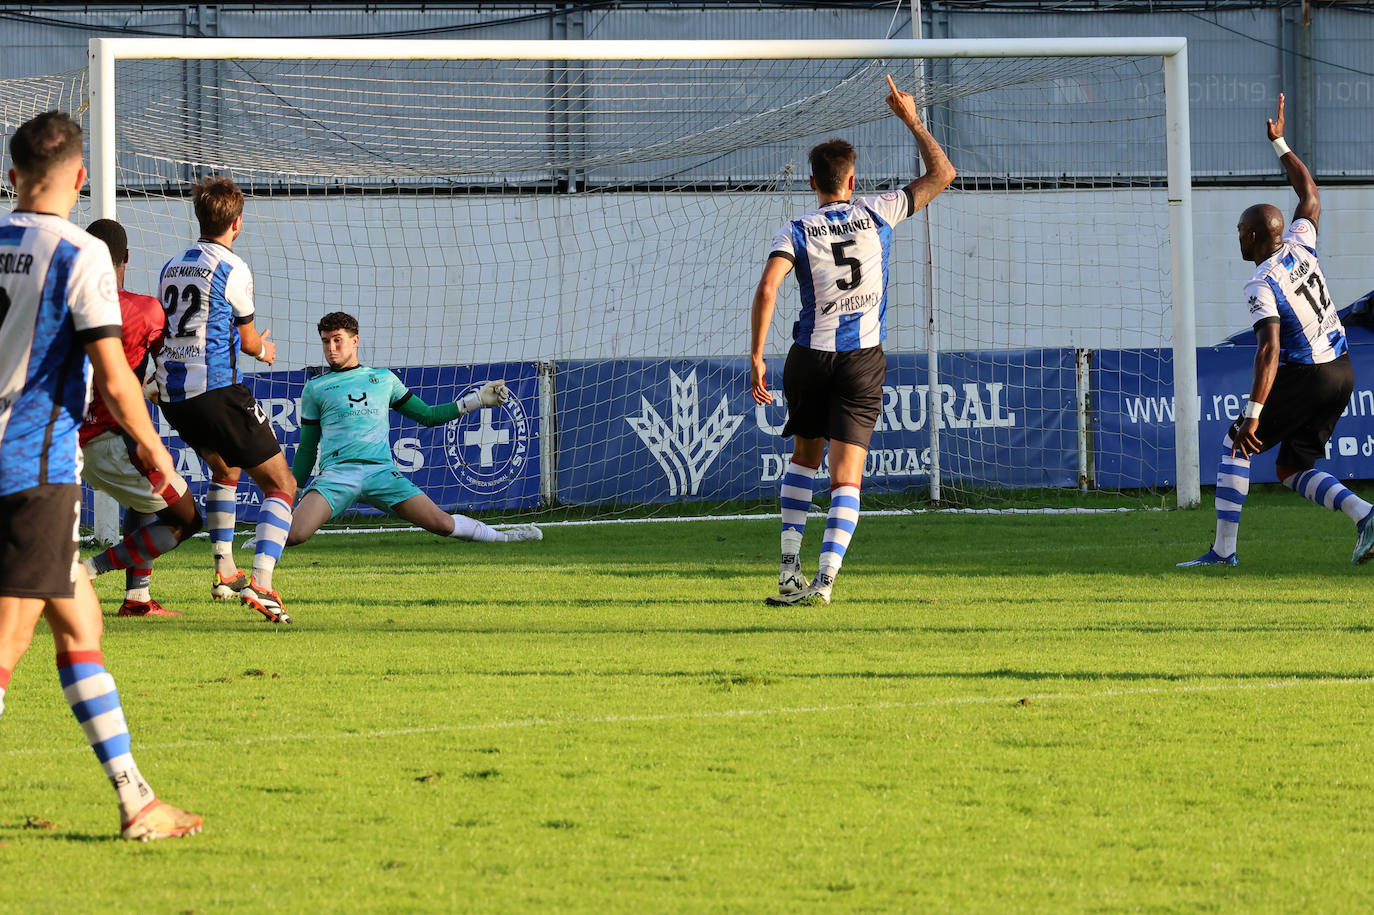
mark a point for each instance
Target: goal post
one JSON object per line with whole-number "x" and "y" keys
{"x": 580, "y": 152}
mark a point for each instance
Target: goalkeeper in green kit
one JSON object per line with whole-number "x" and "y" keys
{"x": 345, "y": 424}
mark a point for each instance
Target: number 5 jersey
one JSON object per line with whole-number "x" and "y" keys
{"x": 841, "y": 252}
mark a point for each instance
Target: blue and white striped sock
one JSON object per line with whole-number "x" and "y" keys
{"x": 219, "y": 521}
{"x": 1327, "y": 491}
{"x": 1233, "y": 485}
{"x": 90, "y": 691}
{"x": 839, "y": 526}
{"x": 274, "y": 522}
{"x": 796, "y": 502}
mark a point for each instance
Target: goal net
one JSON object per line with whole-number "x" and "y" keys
{"x": 592, "y": 230}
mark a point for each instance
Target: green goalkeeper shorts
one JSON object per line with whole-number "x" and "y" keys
{"x": 380, "y": 485}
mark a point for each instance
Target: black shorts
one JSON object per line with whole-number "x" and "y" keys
{"x": 227, "y": 421}
{"x": 1301, "y": 412}
{"x": 834, "y": 395}
{"x": 38, "y": 541}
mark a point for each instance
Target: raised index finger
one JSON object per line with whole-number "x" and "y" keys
{"x": 892, "y": 85}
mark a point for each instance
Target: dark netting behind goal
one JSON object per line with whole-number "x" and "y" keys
{"x": 593, "y": 231}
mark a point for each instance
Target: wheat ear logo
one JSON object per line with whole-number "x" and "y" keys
{"x": 687, "y": 448}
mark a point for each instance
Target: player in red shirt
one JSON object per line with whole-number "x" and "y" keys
{"x": 158, "y": 513}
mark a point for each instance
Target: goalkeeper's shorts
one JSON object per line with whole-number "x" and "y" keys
{"x": 380, "y": 485}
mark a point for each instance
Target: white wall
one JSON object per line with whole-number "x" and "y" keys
{"x": 470, "y": 279}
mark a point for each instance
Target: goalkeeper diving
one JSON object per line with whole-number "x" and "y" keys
{"x": 345, "y": 424}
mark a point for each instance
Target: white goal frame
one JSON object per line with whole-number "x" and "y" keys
{"x": 104, "y": 52}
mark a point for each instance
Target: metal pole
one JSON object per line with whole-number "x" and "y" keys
{"x": 1082, "y": 360}
{"x": 1188, "y": 487}
{"x": 100, "y": 64}
{"x": 799, "y": 49}
{"x": 933, "y": 397}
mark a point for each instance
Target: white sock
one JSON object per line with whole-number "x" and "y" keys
{"x": 465, "y": 528}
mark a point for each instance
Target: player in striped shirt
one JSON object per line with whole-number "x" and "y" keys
{"x": 58, "y": 308}
{"x": 345, "y": 423}
{"x": 833, "y": 377}
{"x": 158, "y": 513}
{"x": 1303, "y": 377}
{"x": 207, "y": 293}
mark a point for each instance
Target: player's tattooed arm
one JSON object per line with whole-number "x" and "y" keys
{"x": 940, "y": 174}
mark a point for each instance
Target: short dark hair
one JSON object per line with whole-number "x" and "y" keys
{"x": 831, "y": 162}
{"x": 218, "y": 202}
{"x": 114, "y": 237}
{"x": 49, "y": 139}
{"x": 338, "y": 320}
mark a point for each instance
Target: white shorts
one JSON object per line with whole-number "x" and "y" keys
{"x": 110, "y": 468}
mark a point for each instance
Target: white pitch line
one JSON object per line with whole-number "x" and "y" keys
{"x": 875, "y": 513}
{"x": 728, "y": 713}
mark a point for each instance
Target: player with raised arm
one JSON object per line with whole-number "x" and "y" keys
{"x": 344, "y": 424}
{"x": 59, "y": 309}
{"x": 207, "y": 294}
{"x": 158, "y": 513}
{"x": 1302, "y": 377}
{"x": 833, "y": 376}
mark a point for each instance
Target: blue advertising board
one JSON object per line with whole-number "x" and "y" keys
{"x": 664, "y": 430}
{"x": 635, "y": 431}
{"x": 1134, "y": 415}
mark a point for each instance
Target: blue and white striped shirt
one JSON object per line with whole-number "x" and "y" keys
{"x": 207, "y": 292}
{"x": 1289, "y": 286}
{"x": 842, "y": 253}
{"x": 57, "y": 293}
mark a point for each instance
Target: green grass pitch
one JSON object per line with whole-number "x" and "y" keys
{"x": 998, "y": 713}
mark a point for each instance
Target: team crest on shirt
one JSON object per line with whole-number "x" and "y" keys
{"x": 488, "y": 448}
{"x": 684, "y": 446}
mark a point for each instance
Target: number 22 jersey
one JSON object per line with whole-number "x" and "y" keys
{"x": 206, "y": 292}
